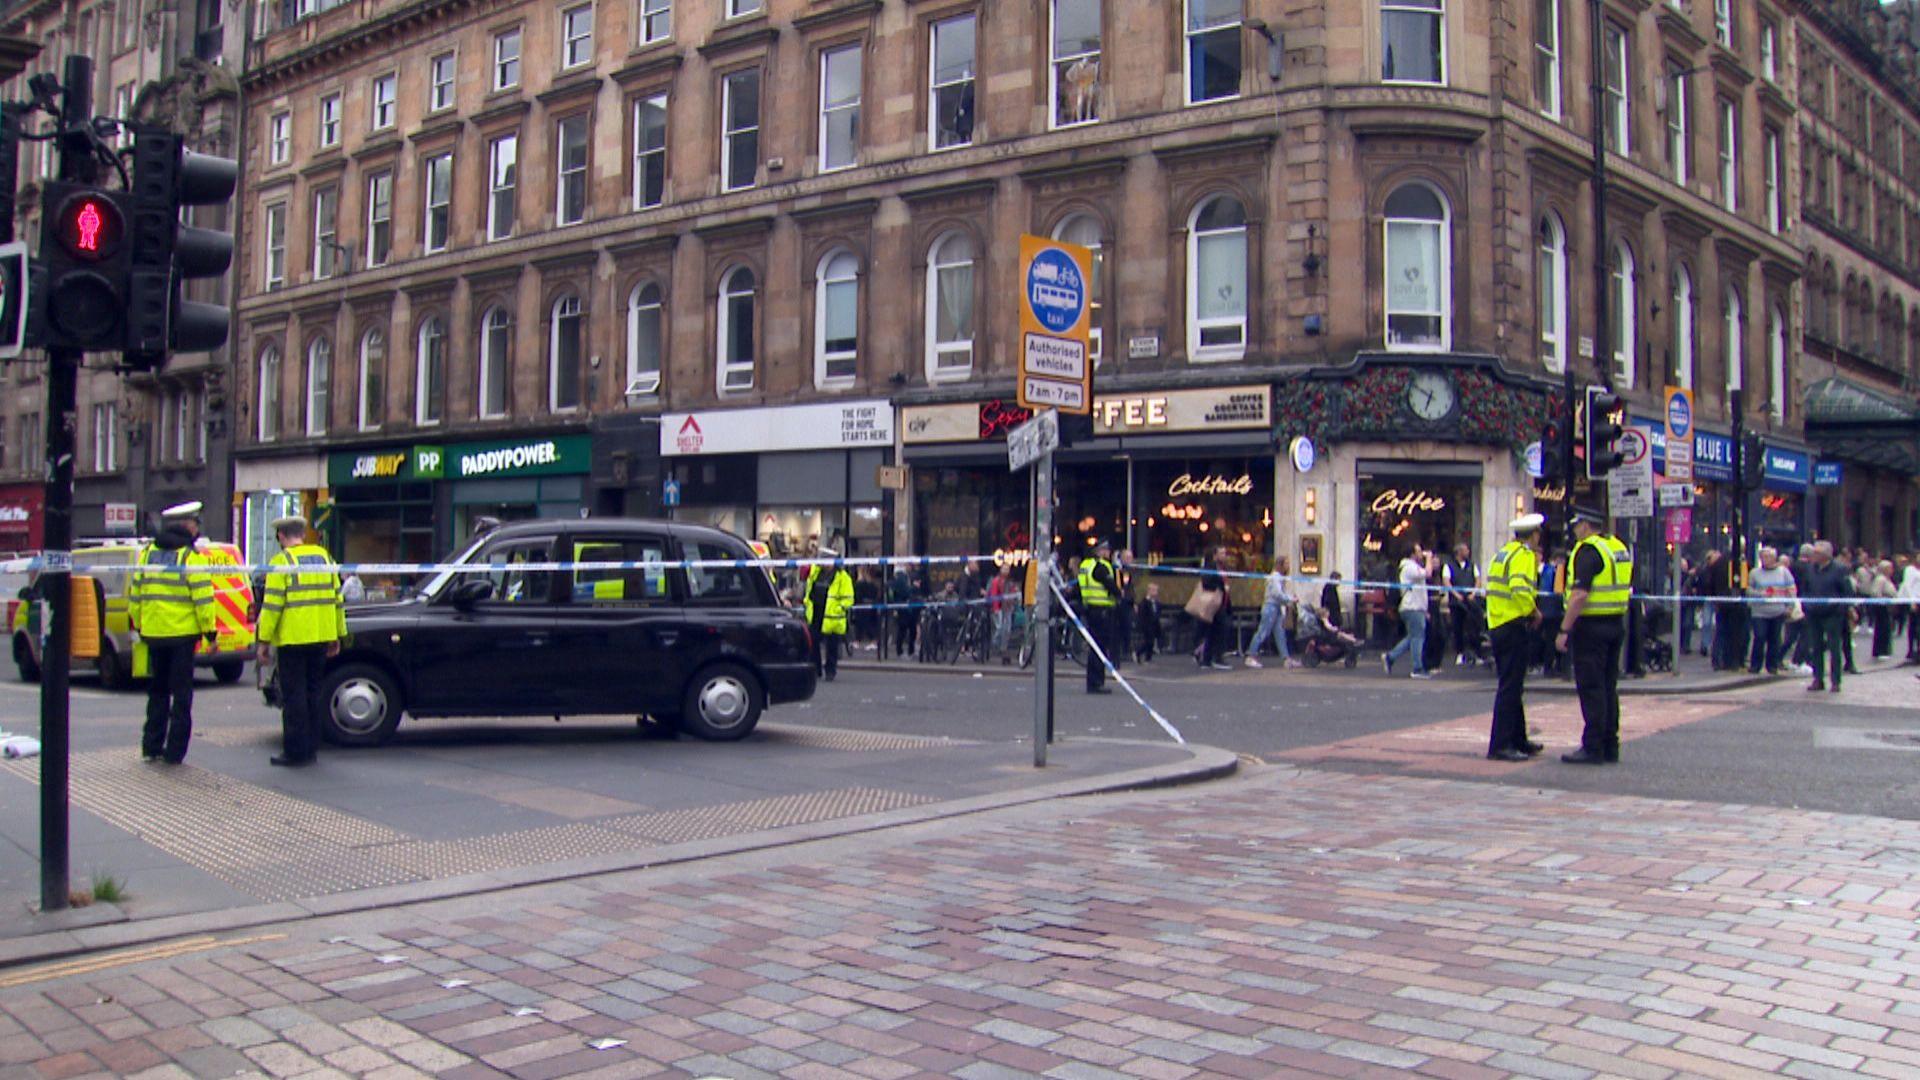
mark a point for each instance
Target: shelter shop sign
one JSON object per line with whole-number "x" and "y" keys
{"x": 830, "y": 426}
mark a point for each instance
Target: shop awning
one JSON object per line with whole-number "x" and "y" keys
{"x": 1857, "y": 423}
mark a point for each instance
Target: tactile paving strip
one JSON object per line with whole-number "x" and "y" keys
{"x": 840, "y": 739}
{"x": 277, "y": 847}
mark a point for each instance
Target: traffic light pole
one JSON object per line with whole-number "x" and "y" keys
{"x": 77, "y": 164}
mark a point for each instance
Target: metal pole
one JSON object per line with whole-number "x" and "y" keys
{"x": 1737, "y": 404}
{"x": 77, "y": 164}
{"x": 1042, "y": 607}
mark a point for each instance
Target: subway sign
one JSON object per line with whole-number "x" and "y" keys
{"x": 541, "y": 456}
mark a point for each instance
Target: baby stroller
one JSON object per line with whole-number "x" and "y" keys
{"x": 1324, "y": 644}
{"x": 1656, "y": 630}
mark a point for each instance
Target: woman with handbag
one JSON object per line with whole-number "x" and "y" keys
{"x": 1212, "y": 607}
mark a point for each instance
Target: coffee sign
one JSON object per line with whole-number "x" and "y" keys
{"x": 1226, "y": 408}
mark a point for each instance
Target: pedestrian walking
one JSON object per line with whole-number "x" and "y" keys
{"x": 1827, "y": 588}
{"x": 1273, "y": 617}
{"x": 170, "y": 605}
{"x": 1213, "y": 632}
{"x": 1463, "y": 580}
{"x": 1884, "y": 591}
{"x": 829, "y": 597}
{"x": 901, "y": 595}
{"x": 1911, "y": 594}
{"x": 303, "y": 619}
{"x": 1146, "y": 621}
{"x": 1413, "y": 614}
{"x": 1513, "y": 616}
{"x": 1003, "y": 599}
{"x": 1592, "y": 631}
{"x": 1121, "y": 631}
{"x": 1099, "y": 592}
{"x": 1772, "y": 588}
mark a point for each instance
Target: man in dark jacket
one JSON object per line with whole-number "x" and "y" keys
{"x": 1823, "y": 596}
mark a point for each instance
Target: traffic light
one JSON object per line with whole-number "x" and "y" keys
{"x": 1553, "y": 449}
{"x": 1075, "y": 429}
{"x": 14, "y": 296}
{"x": 166, "y": 254}
{"x": 1753, "y": 462}
{"x": 1605, "y": 413}
{"x": 83, "y": 247}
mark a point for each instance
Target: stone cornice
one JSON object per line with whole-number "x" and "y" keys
{"x": 857, "y": 9}
{"x": 649, "y": 67}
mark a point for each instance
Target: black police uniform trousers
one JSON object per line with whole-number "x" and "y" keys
{"x": 301, "y": 709}
{"x": 1512, "y": 654}
{"x": 1099, "y": 622}
{"x": 169, "y": 697}
{"x": 1595, "y": 647}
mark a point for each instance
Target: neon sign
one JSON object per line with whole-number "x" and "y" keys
{"x": 1187, "y": 484}
{"x": 1392, "y": 501}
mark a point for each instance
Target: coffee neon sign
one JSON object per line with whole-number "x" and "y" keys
{"x": 1188, "y": 484}
{"x": 1393, "y": 501}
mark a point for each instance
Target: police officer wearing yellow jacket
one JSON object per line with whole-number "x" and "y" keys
{"x": 1513, "y": 615}
{"x": 1099, "y": 592}
{"x": 829, "y": 595}
{"x": 1601, "y": 573}
{"x": 304, "y": 618}
{"x": 170, "y": 605}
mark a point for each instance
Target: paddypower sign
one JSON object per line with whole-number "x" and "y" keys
{"x": 558, "y": 455}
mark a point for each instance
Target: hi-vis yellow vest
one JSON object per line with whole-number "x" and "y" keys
{"x": 1614, "y": 584}
{"x": 171, "y": 595}
{"x": 302, "y": 605}
{"x": 1092, "y": 592}
{"x": 1513, "y": 579}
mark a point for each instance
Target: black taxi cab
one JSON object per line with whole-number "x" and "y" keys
{"x": 706, "y": 648}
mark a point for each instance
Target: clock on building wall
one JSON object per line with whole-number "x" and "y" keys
{"x": 1430, "y": 395}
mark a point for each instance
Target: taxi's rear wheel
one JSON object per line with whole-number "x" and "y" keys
{"x": 113, "y": 668}
{"x": 723, "y": 703}
{"x": 362, "y": 705}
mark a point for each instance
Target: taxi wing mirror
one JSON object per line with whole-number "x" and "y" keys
{"x": 470, "y": 592}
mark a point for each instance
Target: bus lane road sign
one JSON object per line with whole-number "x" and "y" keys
{"x": 1679, "y": 418}
{"x": 1055, "y": 323}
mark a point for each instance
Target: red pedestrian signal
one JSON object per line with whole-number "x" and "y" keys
{"x": 91, "y": 227}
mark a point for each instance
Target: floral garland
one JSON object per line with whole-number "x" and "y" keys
{"x": 1373, "y": 403}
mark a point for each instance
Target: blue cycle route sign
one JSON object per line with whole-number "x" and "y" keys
{"x": 1055, "y": 291}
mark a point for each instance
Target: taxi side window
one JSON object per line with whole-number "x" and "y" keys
{"x": 716, "y": 586}
{"x": 511, "y": 583}
{"x": 633, "y": 582}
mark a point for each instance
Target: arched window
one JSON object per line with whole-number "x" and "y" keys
{"x": 373, "y": 378}
{"x": 836, "y": 320}
{"x": 735, "y": 354}
{"x": 1682, "y": 326}
{"x": 565, "y": 345}
{"x": 430, "y": 373}
{"x": 269, "y": 404}
{"x": 1851, "y": 330}
{"x": 319, "y": 383}
{"x": 1217, "y": 280}
{"x": 1777, "y": 363}
{"x": 1084, "y": 229}
{"x": 1418, "y": 270}
{"x": 496, "y": 344}
{"x": 1553, "y": 294}
{"x": 950, "y": 308}
{"x": 643, "y": 339}
{"x": 1734, "y": 338}
{"x": 1621, "y": 310}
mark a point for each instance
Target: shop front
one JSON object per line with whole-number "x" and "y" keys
{"x": 792, "y": 477}
{"x": 965, "y": 501}
{"x": 268, "y": 488}
{"x": 22, "y": 517}
{"x": 1779, "y": 510}
{"x": 416, "y": 503}
{"x": 1712, "y": 511}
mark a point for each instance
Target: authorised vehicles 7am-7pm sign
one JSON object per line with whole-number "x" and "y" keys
{"x": 1056, "y": 370}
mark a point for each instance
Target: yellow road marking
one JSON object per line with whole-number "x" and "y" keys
{"x": 88, "y": 965}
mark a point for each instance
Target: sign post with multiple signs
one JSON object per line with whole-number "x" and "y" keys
{"x": 1056, "y": 372}
{"x": 1630, "y": 487}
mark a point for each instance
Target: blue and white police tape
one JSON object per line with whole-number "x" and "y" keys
{"x": 1101, "y": 654}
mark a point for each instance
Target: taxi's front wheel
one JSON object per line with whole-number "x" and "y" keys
{"x": 362, "y": 704}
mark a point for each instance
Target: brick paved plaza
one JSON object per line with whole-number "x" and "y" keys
{"x": 1284, "y": 922}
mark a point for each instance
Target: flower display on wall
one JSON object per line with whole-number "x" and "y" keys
{"x": 1374, "y": 403}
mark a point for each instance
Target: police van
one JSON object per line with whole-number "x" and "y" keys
{"x": 103, "y": 637}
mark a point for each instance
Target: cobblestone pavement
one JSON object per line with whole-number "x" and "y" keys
{"x": 1286, "y": 923}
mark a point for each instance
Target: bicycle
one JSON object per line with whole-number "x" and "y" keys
{"x": 1067, "y": 641}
